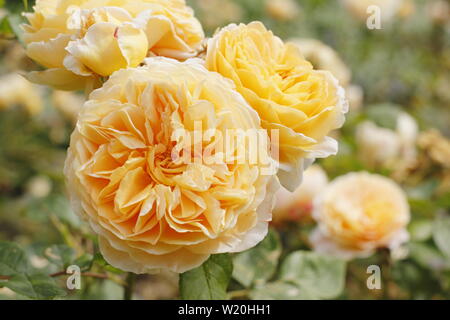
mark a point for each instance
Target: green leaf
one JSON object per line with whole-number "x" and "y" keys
{"x": 280, "y": 290}
{"x": 15, "y": 20}
{"x": 426, "y": 256}
{"x": 441, "y": 235}
{"x": 25, "y": 4}
{"x": 318, "y": 275}
{"x": 421, "y": 230}
{"x": 85, "y": 262}
{"x": 101, "y": 262}
{"x": 5, "y": 28}
{"x": 12, "y": 259}
{"x": 61, "y": 255}
{"x": 209, "y": 281}
{"x": 36, "y": 286}
{"x": 258, "y": 264}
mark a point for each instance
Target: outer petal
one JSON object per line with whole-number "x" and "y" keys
{"x": 49, "y": 53}
{"x": 107, "y": 48}
{"x": 59, "y": 79}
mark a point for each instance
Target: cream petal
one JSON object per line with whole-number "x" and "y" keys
{"x": 60, "y": 79}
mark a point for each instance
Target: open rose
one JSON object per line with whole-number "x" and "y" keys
{"x": 358, "y": 213}
{"x": 150, "y": 209}
{"x": 303, "y": 104}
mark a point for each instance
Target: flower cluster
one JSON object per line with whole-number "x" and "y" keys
{"x": 81, "y": 41}
{"x": 178, "y": 152}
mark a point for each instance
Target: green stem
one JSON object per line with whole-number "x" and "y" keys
{"x": 385, "y": 272}
{"x": 238, "y": 293}
{"x": 128, "y": 293}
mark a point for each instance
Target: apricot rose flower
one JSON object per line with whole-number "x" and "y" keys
{"x": 150, "y": 209}
{"x": 358, "y": 213}
{"x": 303, "y": 104}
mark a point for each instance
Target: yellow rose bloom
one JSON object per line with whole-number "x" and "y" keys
{"x": 358, "y": 213}
{"x": 151, "y": 209}
{"x": 80, "y": 41}
{"x": 303, "y": 104}
{"x": 16, "y": 90}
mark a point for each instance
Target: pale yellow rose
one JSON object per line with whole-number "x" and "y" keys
{"x": 16, "y": 90}
{"x": 292, "y": 206}
{"x": 283, "y": 10}
{"x": 80, "y": 41}
{"x": 150, "y": 209}
{"x": 379, "y": 146}
{"x": 303, "y": 104}
{"x": 358, "y": 213}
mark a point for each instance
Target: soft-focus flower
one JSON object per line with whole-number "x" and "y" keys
{"x": 292, "y": 206}
{"x": 407, "y": 9}
{"x": 358, "y": 213}
{"x": 388, "y": 8}
{"x": 39, "y": 186}
{"x": 16, "y": 56}
{"x": 439, "y": 11}
{"x": 80, "y": 41}
{"x": 283, "y": 10}
{"x": 68, "y": 103}
{"x": 216, "y": 13}
{"x": 407, "y": 130}
{"x": 355, "y": 96}
{"x": 303, "y": 104}
{"x": 379, "y": 146}
{"x": 16, "y": 90}
{"x": 150, "y": 209}
{"x": 436, "y": 145}
{"x": 376, "y": 145}
{"x": 3, "y": 13}
{"x": 324, "y": 57}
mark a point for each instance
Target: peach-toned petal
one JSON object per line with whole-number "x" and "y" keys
{"x": 152, "y": 211}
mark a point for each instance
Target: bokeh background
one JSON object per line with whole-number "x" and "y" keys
{"x": 398, "y": 72}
